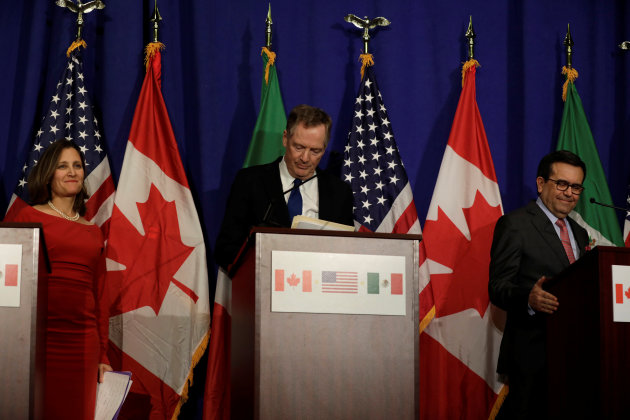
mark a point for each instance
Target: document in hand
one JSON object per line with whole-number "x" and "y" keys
{"x": 304, "y": 222}
{"x": 111, "y": 394}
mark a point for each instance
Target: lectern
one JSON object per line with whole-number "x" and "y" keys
{"x": 588, "y": 353}
{"x": 325, "y": 325}
{"x": 23, "y": 277}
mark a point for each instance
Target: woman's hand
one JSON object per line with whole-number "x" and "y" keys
{"x": 102, "y": 368}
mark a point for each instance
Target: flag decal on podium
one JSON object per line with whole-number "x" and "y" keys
{"x": 328, "y": 282}
{"x": 621, "y": 293}
{"x": 339, "y": 282}
{"x": 293, "y": 281}
{"x": 11, "y": 275}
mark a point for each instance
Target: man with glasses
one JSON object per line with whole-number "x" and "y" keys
{"x": 531, "y": 245}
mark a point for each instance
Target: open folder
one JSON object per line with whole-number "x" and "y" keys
{"x": 304, "y": 222}
{"x": 111, "y": 394}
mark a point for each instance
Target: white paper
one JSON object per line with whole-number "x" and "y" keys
{"x": 111, "y": 393}
{"x": 321, "y": 282}
{"x": 621, "y": 293}
{"x": 10, "y": 274}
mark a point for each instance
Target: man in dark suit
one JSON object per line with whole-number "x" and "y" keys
{"x": 531, "y": 245}
{"x": 257, "y": 197}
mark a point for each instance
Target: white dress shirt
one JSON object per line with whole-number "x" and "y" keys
{"x": 309, "y": 191}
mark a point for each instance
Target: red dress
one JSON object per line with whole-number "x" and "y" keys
{"x": 76, "y": 334}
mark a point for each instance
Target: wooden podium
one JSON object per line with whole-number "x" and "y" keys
{"x": 23, "y": 327}
{"x": 287, "y": 365}
{"x": 588, "y": 354}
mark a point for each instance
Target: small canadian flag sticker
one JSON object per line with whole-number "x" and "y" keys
{"x": 621, "y": 293}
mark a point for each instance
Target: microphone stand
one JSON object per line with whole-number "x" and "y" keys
{"x": 592, "y": 200}
{"x": 265, "y": 220}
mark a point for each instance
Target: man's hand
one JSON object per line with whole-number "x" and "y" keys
{"x": 541, "y": 301}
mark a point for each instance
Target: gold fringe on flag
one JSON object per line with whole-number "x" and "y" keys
{"x": 499, "y": 402}
{"x": 271, "y": 59}
{"x": 201, "y": 349}
{"x": 426, "y": 320}
{"x": 150, "y": 51}
{"x": 76, "y": 44}
{"x": 468, "y": 64}
{"x": 571, "y": 74}
{"x": 366, "y": 60}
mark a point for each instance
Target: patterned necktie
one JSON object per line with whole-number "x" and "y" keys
{"x": 566, "y": 242}
{"x": 295, "y": 200}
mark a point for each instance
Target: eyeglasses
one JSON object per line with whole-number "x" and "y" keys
{"x": 562, "y": 185}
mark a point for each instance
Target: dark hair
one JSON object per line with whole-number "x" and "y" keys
{"x": 563, "y": 156}
{"x": 42, "y": 174}
{"x": 310, "y": 116}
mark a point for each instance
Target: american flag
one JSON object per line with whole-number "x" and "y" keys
{"x": 383, "y": 201}
{"x": 70, "y": 116}
{"x": 340, "y": 282}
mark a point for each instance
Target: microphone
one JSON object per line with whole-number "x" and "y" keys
{"x": 299, "y": 185}
{"x": 272, "y": 202}
{"x": 592, "y": 200}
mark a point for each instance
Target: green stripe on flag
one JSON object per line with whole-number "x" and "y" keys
{"x": 266, "y": 144}
{"x": 373, "y": 284}
{"x": 575, "y": 135}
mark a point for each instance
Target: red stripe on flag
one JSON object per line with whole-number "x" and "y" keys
{"x": 306, "y": 281}
{"x": 11, "y": 275}
{"x": 397, "y": 284}
{"x": 279, "y": 281}
{"x": 464, "y": 395}
{"x": 407, "y": 219}
{"x": 216, "y": 400}
{"x": 618, "y": 293}
{"x": 149, "y": 135}
{"x": 363, "y": 229}
{"x": 467, "y": 116}
{"x": 426, "y": 300}
{"x": 98, "y": 198}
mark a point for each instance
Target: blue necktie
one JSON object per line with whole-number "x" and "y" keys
{"x": 295, "y": 200}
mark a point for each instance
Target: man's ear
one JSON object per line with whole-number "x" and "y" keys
{"x": 540, "y": 181}
{"x": 284, "y": 139}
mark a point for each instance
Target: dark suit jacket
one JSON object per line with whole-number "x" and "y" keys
{"x": 256, "y": 188}
{"x": 525, "y": 247}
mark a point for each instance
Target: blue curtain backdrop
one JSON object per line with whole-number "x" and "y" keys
{"x": 211, "y": 75}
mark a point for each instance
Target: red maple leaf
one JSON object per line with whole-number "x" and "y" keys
{"x": 293, "y": 280}
{"x": 627, "y": 293}
{"x": 150, "y": 260}
{"x": 467, "y": 286}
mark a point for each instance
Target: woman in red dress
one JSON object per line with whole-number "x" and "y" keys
{"x": 77, "y": 327}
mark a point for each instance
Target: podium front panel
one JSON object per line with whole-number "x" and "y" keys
{"x": 22, "y": 330}
{"x": 323, "y": 365}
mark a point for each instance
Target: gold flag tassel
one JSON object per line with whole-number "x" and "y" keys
{"x": 271, "y": 59}
{"x": 571, "y": 74}
{"x": 76, "y": 44}
{"x": 468, "y": 64}
{"x": 150, "y": 51}
{"x": 366, "y": 60}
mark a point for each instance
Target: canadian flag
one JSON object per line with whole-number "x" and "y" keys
{"x": 460, "y": 330}
{"x": 156, "y": 261}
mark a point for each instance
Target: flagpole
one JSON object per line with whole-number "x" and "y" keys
{"x": 568, "y": 43}
{"x": 156, "y": 18}
{"x": 470, "y": 34}
{"x": 366, "y": 24}
{"x": 80, "y": 9}
{"x": 268, "y": 30}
